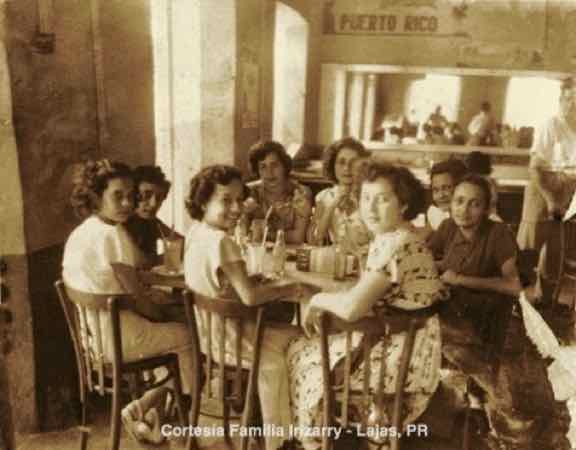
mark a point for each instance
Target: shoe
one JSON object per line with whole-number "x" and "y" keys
{"x": 144, "y": 428}
{"x": 132, "y": 416}
{"x": 150, "y": 428}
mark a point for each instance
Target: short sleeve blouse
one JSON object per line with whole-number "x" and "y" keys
{"x": 89, "y": 251}
{"x": 346, "y": 224}
{"x": 207, "y": 249}
{"x": 297, "y": 204}
{"x": 484, "y": 256}
{"x": 404, "y": 257}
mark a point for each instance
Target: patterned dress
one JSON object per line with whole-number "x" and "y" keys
{"x": 403, "y": 257}
{"x": 297, "y": 203}
{"x": 346, "y": 226}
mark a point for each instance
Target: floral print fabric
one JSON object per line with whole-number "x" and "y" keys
{"x": 297, "y": 203}
{"x": 347, "y": 226}
{"x": 404, "y": 258}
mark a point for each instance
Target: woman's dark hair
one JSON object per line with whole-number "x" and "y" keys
{"x": 454, "y": 167}
{"x": 260, "y": 150}
{"x": 152, "y": 175}
{"x": 203, "y": 185}
{"x": 406, "y": 186}
{"x": 481, "y": 183}
{"x": 479, "y": 163}
{"x": 91, "y": 180}
{"x": 331, "y": 153}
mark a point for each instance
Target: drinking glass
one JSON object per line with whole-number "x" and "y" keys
{"x": 173, "y": 254}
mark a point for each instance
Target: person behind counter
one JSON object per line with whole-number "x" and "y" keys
{"x": 285, "y": 203}
{"x": 213, "y": 266}
{"x": 337, "y": 217}
{"x": 103, "y": 195}
{"x": 144, "y": 227}
{"x": 478, "y": 261}
{"x": 401, "y": 275}
{"x": 481, "y": 126}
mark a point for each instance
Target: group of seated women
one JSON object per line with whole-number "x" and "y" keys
{"x": 371, "y": 205}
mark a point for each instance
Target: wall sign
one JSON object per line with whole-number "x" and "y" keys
{"x": 394, "y": 17}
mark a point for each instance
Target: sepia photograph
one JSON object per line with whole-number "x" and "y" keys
{"x": 288, "y": 224}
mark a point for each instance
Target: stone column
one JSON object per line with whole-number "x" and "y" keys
{"x": 369, "y": 106}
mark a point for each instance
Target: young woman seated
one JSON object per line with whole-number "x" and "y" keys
{"x": 400, "y": 274}
{"x": 104, "y": 196}
{"x": 214, "y": 267}
{"x": 276, "y": 197}
{"x": 337, "y": 216}
{"x": 144, "y": 227}
{"x": 478, "y": 261}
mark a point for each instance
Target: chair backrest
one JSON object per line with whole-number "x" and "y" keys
{"x": 337, "y": 381}
{"x": 218, "y": 311}
{"x": 568, "y": 245}
{"x": 82, "y": 311}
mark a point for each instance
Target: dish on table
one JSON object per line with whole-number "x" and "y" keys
{"x": 162, "y": 270}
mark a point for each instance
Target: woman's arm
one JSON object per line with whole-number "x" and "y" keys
{"x": 167, "y": 232}
{"x": 298, "y": 234}
{"x": 323, "y": 220}
{"x": 508, "y": 283}
{"x": 357, "y": 302}
{"x": 252, "y": 293}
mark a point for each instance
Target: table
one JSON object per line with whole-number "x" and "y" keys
{"x": 153, "y": 278}
{"x": 323, "y": 281}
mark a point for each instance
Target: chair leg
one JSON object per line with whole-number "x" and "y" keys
{"x": 115, "y": 416}
{"x": 405, "y": 358}
{"x": 84, "y": 430}
{"x": 179, "y": 396}
{"x": 194, "y": 413}
{"x": 226, "y": 422}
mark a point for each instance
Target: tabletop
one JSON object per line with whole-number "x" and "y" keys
{"x": 323, "y": 281}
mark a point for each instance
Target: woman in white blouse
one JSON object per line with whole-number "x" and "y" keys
{"x": 337, "y": 217}
{"x": 104, "y": 196}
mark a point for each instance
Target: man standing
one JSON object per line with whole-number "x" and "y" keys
{"x": 481, "y": 126}
{"x": 552, "y": 182}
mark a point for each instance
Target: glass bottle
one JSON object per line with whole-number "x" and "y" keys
{"x": 279, "y": 254}
{"x": 339, "y": 262}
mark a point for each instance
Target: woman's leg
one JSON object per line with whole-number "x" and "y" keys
{"x": 273, "y": 385}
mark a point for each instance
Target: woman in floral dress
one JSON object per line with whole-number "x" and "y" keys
{"x": 400, "y": 274}
{"x": 276, "y": 197}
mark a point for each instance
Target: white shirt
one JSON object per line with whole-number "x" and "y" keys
{"x": 90, "y": 249}
{"x": 436, "y": 216}
{"x": 207, "y": 250}
{"x": 554, "y": 145}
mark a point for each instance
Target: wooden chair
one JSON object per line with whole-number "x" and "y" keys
{"x": 98, "y": 374}
{"x": 337, "y": 386}
{"x": 233, "y": 391}
{"x": 494, "y": 335}
{"x": 567, "y": 263}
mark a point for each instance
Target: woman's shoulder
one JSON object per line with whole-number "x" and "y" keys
{"x": 92, "y": 229}
{"x": 398, "y": 242}
{"x": 299, "y": 188}
{"x": 498, "y": 230}
{"x": 326, "y": 194}
{"x": 199, "y": 232}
